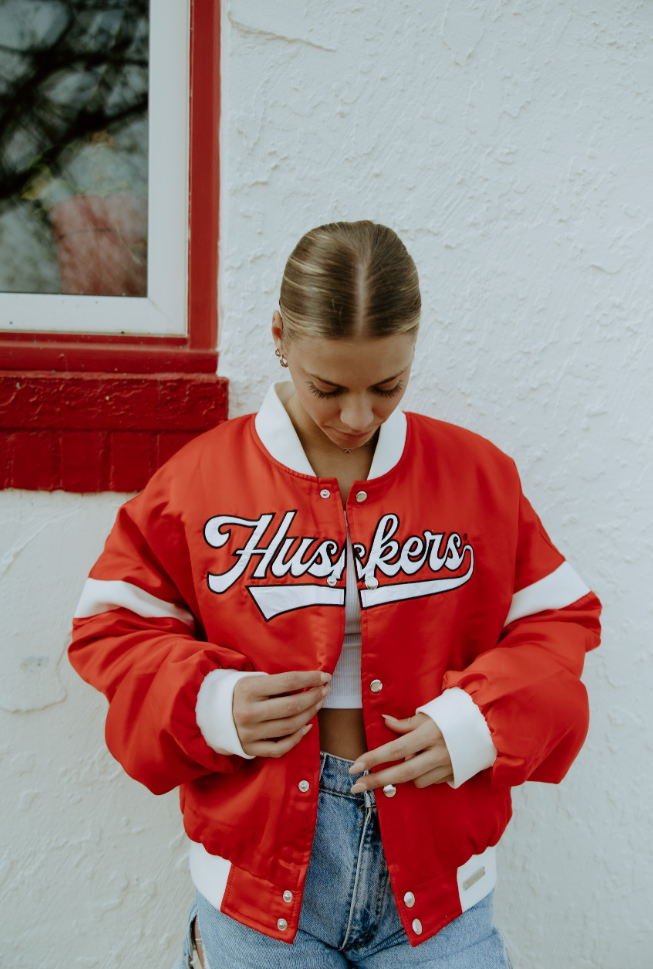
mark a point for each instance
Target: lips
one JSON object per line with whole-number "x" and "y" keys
{"x": 353, "y": 438}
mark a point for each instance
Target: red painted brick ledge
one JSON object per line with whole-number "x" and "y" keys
{"x": 90, "y": 432}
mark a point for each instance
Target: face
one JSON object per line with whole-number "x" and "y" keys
{"x": 347, "y": 388}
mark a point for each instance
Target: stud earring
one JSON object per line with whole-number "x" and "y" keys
{"x": 282, "y": 359}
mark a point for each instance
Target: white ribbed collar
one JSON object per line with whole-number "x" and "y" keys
{"x": 278, "y": 436}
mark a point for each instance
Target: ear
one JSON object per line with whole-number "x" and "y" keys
{"x": 277, "y": 330}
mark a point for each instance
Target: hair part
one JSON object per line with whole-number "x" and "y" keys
{"x": 351, "y": 280}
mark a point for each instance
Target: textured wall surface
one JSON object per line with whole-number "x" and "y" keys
{"x": 93, "y": 869}
{"x": 510, "y": 144}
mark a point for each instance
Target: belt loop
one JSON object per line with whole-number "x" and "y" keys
{"x": 369, "y": 796}
{"x": 323, "y": 758}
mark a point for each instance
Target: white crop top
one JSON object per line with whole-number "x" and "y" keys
{"x": 346, "y": 681}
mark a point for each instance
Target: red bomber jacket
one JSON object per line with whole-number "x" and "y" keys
{"x": 234, "y": 558}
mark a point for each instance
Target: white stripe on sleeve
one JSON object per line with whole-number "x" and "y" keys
{"x": 555, "y": 591}
{"x": 100, "y": 596}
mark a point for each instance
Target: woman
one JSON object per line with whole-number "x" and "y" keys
{"x": 344, "y": 633}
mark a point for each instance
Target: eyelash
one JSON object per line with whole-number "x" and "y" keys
{"x": 336, "y": 393}
{"x": 390, "y": 393}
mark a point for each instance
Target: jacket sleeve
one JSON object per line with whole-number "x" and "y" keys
{"x": 528, "y": 687}
{"x": 137, "y": 639}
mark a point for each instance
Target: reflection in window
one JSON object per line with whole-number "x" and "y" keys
{"x": 73, "y": 146}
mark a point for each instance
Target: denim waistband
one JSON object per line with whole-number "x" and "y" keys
{"x": 335, "y": 777}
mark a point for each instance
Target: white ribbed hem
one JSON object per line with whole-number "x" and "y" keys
{"x": 209, "y": 873}
{"x": 476, "y": 878}
{"x": 555, "y": 591}
{"x": 344, "y": 701}
{"x": 214, "y": 711}
{"x": 465, "y": 733}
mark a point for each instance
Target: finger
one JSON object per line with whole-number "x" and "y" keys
{"x": 401, "y": 773}
{"x": 249, "y": 711}
{"x": 271, "y": 729}
{"x": 405, "y": 726}
{"x": 280, "y": 708}
{"x": 275, "y": 683}
{"x": 276, "y": 748}
{"x": 440, "y": 775}
{"x": 398, "y": 749}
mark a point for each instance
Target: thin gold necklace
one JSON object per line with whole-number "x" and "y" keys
{"x": 345, "y": 450}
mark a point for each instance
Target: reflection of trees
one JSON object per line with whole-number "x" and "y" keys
{"x": 77, "y": 67}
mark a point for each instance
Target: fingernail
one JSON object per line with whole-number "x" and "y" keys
{"x": 326, "y": 690}
{"x": 325, "y": 677}
{"x": 388, "y": 716}
{"x": 307, "y": 728}
{"x": 357, "y": 768}
{"x": 357, "y": 788}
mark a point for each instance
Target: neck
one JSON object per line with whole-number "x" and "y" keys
{"x": 330, "y": 461}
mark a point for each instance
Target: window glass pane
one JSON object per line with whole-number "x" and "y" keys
{"x": 74, "y": 146}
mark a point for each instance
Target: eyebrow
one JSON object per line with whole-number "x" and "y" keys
{"x": 331, "y": 383}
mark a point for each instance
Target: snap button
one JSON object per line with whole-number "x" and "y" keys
{"x": 409, "y": 899}
{"x": 287, "y": 896}
{"x": 332, "y": 580}
{"x": 303, "y": 786}
{"x": 372, "y": 582}
{"x": 282, "y": 925}
{"x": 361, "y": 495}
{"x": 376, "y": 686}
{"x": 390, "y": 790}
{"x": 417, "y": 927}
{"x": 325, "y": 493}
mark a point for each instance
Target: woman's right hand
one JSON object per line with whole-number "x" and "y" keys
{"x": 271, "y": 713}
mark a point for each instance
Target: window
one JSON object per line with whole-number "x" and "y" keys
{"x": 108, "y": 223}
{"x": 93, "y": 127}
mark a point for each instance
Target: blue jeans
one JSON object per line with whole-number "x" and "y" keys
{"x": 348, "y": 916}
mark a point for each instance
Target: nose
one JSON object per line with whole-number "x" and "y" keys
{"x": 356, "y": 414}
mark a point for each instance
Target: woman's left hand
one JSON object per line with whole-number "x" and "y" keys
{"x": 422, "y": 748}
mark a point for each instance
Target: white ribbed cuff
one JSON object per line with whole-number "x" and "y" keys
{"x": 465, "y": 733}
{"x": 214, "y": 711}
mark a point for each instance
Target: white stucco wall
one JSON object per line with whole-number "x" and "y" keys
{"x": 511, "y": 146}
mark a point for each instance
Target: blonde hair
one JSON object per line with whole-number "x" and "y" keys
{"x": 350, "y": 279}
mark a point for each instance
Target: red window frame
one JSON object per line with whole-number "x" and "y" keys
{"x": 88, "y": 413}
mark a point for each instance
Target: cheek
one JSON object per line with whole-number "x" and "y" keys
{"x": 384, "y": 406}
{"x": 321, "y": 411}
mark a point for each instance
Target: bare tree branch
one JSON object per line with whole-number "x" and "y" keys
{"x": 99, "y": 48}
